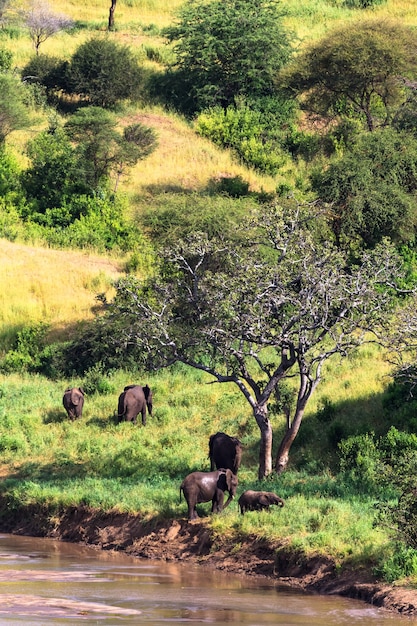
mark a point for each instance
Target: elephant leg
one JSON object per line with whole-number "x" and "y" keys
{"x": 144, "y": 415}
{"x": 192, "y": 511}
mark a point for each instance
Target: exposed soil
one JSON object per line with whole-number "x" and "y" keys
{"x": 180, "y": 540}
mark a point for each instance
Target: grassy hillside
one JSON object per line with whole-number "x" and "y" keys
{"x": 45, "y": 458}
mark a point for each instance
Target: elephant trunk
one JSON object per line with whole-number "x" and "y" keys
{"x": 228, "y": 501}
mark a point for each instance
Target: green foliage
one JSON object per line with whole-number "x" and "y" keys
{"x": 101, "y": 224}
{"x": 95, "y": 381}
{"x": 371, "y": 188}
{"x": 14, "y": 112}
{"x": 53, "y": 176}
{"x": 48, "y": 71}
{"x": 101, "y": 150}
{"x": 233, "y": 186}
{"x": 176, "y": 215}
{"x": 9, "y": 174}
{"x": 362, "y": 4}
{"x": 104, "y": 72}
{"x": 353, "y": 72}
{"x": 255, "y": 130}
{"x": 215, "y": 64}
{"x": 360, "y": 461}
{"x": 25, "y": 354}
{"x": 399, "y": 563}
{"x": 62, "y": 175}
{"x": 6, "y": 58}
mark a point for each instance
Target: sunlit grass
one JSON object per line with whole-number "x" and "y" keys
{"x": 55, "y": 286}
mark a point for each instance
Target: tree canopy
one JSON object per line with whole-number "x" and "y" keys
{"x": 356, "y": 71}
{"x": 277, "y": 304}
{"x": 104, "y": 72}
{"x": 227, "y": 48}
{"x": 371, "y": 189}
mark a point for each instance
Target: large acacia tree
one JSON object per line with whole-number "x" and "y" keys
{"x": 358, "y": 71}
{"x": 278, "y": 303}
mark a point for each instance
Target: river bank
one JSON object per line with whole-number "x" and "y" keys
{"x": 179, "y": 540}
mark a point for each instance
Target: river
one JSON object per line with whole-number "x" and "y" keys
{"x": 48, "y": 582}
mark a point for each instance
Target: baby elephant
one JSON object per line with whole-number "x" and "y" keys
{"x": 258, "y": 500}
{"x": 73, "y": 402}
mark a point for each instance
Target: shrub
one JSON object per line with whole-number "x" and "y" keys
{"x": 256, "y": 130}
{"x": 25, "y": 354}
{"x": 95, "y": 381}
{"x": 360, "y": 460}
{"x": 104, "y": 72}
{"x": 49, "y": 71}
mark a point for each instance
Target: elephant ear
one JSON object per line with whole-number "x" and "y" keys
{"x": 147, "y": 391}
{"x": 264, "y": 500}
{"x": 75, "y": 396}
{"x": 229, "y": 476}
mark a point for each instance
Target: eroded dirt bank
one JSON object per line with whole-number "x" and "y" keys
{"x": 178, "y": 540}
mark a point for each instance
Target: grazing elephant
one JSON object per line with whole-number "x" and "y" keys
{"x": 133, "y": 400}
{"x": 258, "y": 500}
{"x": 73, "y": 402}
{"x": 205, "y": 486}
{"x": 225, "y": 451}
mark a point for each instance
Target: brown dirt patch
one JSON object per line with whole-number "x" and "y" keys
{"x": 180, "y": 540}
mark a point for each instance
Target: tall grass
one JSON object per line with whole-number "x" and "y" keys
{"x": 55, "y": 286}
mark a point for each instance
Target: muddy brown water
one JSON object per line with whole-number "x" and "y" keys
{"x": 48, "y": 582}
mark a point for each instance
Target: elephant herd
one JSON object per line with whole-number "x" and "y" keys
{"x": 225, "y": 453}
{"x": 133, "y": 400}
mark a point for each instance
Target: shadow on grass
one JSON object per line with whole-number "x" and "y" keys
{"x": 55, "y": 416}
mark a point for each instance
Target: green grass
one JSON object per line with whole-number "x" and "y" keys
{"x": 48, "y": 460}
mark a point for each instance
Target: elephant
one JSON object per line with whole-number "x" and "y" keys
{"x": 205, "y": 486}
{"x": 225, "y": 452}
{"x": 133, "y": 400}
{"x": 258, "y": 500}
{"x": 73, "y": 402}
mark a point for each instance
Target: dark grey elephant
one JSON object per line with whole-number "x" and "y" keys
{"x": 133, "y": 400}
{"x": 205, "y": 486}
{"x": 225, "y": 452}
{"x": 73, "y": 402}
{"x": 258, "y": 500}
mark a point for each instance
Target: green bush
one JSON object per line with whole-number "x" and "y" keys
{"x": 25, "y": 354}
{"x": 6, "y": 58}
{"x": 104, "y": 72}
{"x": 402, "y": 562}
{"x": 360, "y": 461}
{"x": 256, "y": 130}
{"x": 95, "y": 381}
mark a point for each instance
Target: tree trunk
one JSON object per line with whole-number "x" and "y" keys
{"x": 283, "y": 453}
{"x": 265, "y": 447}
{"x": 111, "y": 15}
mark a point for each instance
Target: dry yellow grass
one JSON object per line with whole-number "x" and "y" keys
{"x": 55, "y": 286}
{"x": 183, "y": 160}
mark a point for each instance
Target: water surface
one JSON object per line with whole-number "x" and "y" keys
{"x": 49, "y": 582}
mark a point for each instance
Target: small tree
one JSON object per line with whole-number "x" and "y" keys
{"x": 278, "y": 304}
{"x": 101, "y": 149}
{"x": 14, "y": 113}
{"x": 42, "y": 22}
{"x": 104, "y": 72}
{"x": 226, "y": 49}
{"x": 355, "y": 71}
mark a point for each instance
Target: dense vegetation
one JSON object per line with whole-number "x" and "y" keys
{"x": 264, "y": 253}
